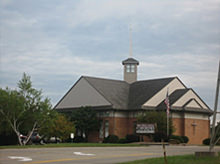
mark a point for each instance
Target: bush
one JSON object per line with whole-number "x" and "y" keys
{"x": 8, "y": 139}
{"x": 111, "y": 139}
{"x": 159, "y": 136}
{"x": 122, "y": 140}
{"x": 79, "y": 139}
{"x": 174, "y": 141}
{"x": 206, "y": 141}
{"x": 179, "y": 138}
{"x": 132, "y": 138}
{"x": 185, "y": 139}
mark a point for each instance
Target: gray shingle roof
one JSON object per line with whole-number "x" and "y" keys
{"x": 173, "y": 98}
{"x": 141, "y": 91}
{"x": 127, "y": 96}
{"x": 124, "y": 96}
{"x": 115, "y": 91}
{"x": 178, "y": 94}
{"x": 130, "y": 61}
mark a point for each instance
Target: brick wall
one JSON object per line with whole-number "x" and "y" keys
{"x": 94, "y": 137}
{"x": 178, "y": 124}
{"x": 195, "y": 129}
{"x": 121, "y": 127}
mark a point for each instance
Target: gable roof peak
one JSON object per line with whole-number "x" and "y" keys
{"x": 130, "y": 61}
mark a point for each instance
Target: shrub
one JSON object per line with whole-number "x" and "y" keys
{"x": 111, "y": 139}
{"x": 132, "y": 138}
{"x": 206, "y": 141}
{"x": 174, "y": 141}
{"x": 179, "y": 138}
{"x": 79, "y": 139}
{"x": 185, "y": 139}
{"x": 8, "y": 139}
{"x": 159, "y": 136}
{"x": 122, "y": 140}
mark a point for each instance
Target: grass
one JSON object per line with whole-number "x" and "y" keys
{"x": 69, "y": 145}
{"x": 185, "y": 159}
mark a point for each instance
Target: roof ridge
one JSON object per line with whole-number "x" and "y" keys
{"x": 91, "y": 77}
{"x": 100, "y": 78}
{"x": 156, "y": 79}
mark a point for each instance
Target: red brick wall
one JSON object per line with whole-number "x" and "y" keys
{"x": 94, "y": 137}
{"x": 122, "y": 126}
{"x": 178, "y": 124}
{"x": 196, "y": 134}
{"x": 119, "y": 126}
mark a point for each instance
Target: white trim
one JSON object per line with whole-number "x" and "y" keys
{"x": 190, "y": 116}
{"x": 196, "y": 116}
{"x": 161, "y": 95}
{"x": 193, "y": 104}
{"x": 186, "y": 97}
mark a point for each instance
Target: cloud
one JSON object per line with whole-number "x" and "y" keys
{"x": 140, "y": 10}
{"x": 56, "y": 42}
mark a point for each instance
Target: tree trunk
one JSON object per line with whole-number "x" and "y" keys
{"x": 19, "y": 138}
{"x": 30, "y": 134}
{"x": 24, "y": 141}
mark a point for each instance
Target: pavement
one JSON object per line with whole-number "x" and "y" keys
{"x": 91, "y": 155}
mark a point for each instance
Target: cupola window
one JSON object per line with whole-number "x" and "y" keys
{"x": 130, "y": 68}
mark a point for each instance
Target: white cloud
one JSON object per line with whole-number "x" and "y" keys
{"x": 60, "y": 41}
{"x": 87, "y": 12}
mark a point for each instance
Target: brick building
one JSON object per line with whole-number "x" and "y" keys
{"x": 118, "y": 103}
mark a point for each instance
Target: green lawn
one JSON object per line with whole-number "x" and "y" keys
{"x": 70, "y": 145}
{"x": 186, "y": 159}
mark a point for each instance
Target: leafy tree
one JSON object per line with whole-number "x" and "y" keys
{"x": 25, "y": 109}
{"x": 11, "y": 107}
{"x": 45, "y": 129}
{"x": 85, "y": 120}
{"x": 158, "y": 118}
{"x": 57, "y": 126}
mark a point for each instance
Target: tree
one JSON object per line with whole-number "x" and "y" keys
{"x": 57, "y": 126}
{"x": 158, "y": 118}
{"x": 11, "y": 107}
{"x": 25, "y": 109}
{"x": 85, "y": 120}
{"x": 63, "y": 127}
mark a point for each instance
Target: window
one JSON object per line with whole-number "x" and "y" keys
{"x": 134, "y": 127}
{"x": 101, "y": 134}
{"x": 106, "y": 128}
{"x": 130, "y": 68}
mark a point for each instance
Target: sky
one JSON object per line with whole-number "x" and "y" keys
{"x": 56, "y": 42}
